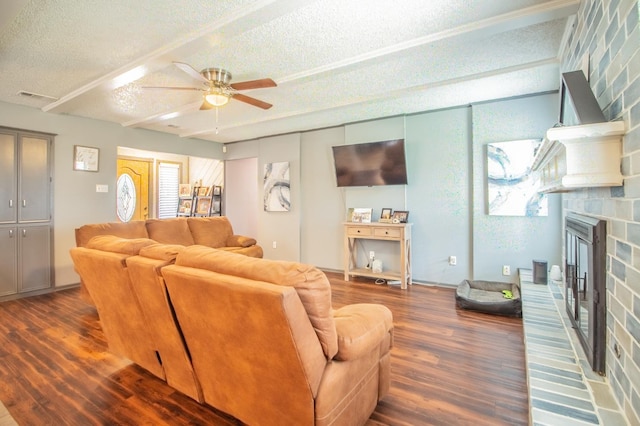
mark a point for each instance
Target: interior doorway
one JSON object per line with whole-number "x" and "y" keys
{"x": 132, "y": 189}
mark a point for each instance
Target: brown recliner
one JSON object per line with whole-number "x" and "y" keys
{"x": 103, "y": 269}
{"x": 267, "y": 346}
{"x": 149, "y": 286}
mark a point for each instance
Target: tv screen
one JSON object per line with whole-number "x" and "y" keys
{"x": 371, "y": 164}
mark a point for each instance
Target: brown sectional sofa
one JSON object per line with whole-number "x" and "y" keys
{"x": 255, "y": 338}
{"x": 215, "y": 232}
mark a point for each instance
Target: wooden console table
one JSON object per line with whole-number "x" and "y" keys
{"x": 395, "y": 232}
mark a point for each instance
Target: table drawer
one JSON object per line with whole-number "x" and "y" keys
{"x": 358, "y": 231}
{"x": 387, "y": 232}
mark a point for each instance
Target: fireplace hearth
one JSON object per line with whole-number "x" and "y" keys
{"x": 585, "y": 285}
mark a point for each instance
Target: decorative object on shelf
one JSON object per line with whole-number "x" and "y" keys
{"x": 361, "y": 215}
{"x": 203, "y": 191}
{"x": 203, "y": 206}
{"x": 277, "y": 194}
{"x": 184, "y": 206}
{"x": 385, "y": 215}
{"x": 513, "y": 190}
{"x": 400, "y": 216}
{"x": 86, "y": 158}
{"x": 184, "y": 190}
{"x": 217, "y": 190}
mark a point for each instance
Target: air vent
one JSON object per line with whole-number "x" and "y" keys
{"x": 173, "y": 126}
{"x": 36, "y": 95}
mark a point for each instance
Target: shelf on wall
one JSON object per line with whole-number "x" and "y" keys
{"x": 583, "y": 156}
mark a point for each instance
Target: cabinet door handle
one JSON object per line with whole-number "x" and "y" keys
{"x": 24, "y": 232}
{"x": 358, "y": 231}
{"x": 10, "y": 233}
{"x": 24, "y": 203}
{"x": 10, "y": 203}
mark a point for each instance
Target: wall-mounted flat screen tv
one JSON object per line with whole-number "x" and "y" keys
{"x": 371, "y": 164}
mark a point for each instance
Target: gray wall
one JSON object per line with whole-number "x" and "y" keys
{"x": 513, "y": 241}
{"x": 445, "y": 196}
{"x": 76, "y": 201}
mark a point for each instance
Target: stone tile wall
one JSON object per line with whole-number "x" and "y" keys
{"x": 609, "y": 32}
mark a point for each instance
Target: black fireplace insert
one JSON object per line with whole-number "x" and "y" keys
{"x": 585, "y": 289}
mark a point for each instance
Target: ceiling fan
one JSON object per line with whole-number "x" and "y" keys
{"x": 217, "y": 89}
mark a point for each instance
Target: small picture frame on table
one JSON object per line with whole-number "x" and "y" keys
{"x": 86, "y": 158}
{"x": 203, "y": 191}
{"x": 400, "y": 216}
{"x": 361, "y": 215}
{"x": 184, "y": 207}
{"x": 385, "y": 215}
{"x": 203, "y": 206}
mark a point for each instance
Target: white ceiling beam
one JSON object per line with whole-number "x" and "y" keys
{"x": 384, "y": 96}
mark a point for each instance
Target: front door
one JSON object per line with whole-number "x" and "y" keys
{"x": 132, "y": 189}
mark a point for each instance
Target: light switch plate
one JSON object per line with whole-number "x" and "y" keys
{"x": 102, "y": 188}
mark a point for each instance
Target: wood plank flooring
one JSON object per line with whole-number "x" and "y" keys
{"x": 449, "y": 367}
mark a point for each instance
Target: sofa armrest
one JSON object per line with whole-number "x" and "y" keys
{"x": 361, "y": 329}
{"x": 240, "y": 241}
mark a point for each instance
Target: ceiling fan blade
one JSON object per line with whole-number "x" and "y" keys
{"x": 252, "y": 101}
{"x": 254, "y": 84}
{"x": 171, "y": 88}
{"x": 191, "y": 71}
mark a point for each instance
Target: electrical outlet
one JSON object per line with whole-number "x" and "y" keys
{"x": 102, "y": 188}
{"x": 275, "y": 244}
{"x": 453, "y": 260}
{"x": 506, "y": 270}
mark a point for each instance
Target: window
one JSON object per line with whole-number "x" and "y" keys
{"x": 168, "y": 182}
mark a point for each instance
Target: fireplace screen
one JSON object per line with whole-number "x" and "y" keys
{"x": 585, "y": 287}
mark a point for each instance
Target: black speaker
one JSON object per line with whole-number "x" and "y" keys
{"x": 539, "y": 271}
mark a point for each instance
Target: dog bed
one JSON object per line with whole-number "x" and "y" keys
{"x": 492, "y": 297}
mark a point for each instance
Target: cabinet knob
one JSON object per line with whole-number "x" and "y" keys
{"x": 386, "y": 232}
{"x": 358, "y": 231}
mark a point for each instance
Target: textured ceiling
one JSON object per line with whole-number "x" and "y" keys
{"x": 334, "y": 61}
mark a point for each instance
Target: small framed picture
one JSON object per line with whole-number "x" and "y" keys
{"x": 217, "y": 190}
{"x": 184, "y": 190}
{"x": 203, "y": 190}
{"x": 362, "y": 215}
{"x": 86, "y": 158}
{"x": 400, "y": 216}
{"x": 184, "y": 206}
{"x": 203, "y": 205}
{"x": 385, "y": 215}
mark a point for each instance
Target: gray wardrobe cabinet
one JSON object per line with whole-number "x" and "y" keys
{"x": 25, "y": 211}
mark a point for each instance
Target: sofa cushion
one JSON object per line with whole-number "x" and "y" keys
{"x": 111, "y": 243}
{"x": 210, "y": 231}
{"x": 240, "y": 241}
{"x": 361, "y": 327}
{"x": 133, "y": 229}
{"x": 166, "y": 252}
{"x": 170, "y": 231}
{"x": 310, "y": 283}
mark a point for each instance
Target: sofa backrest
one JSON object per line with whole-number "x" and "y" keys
{"x": 102, "y": 267}
{"x": 133, "y": 229}
{"x": 170, "y": 231}
{"x": 149, "y": 286}
{"x": 251, "y": 342}
{"x": 210, "y": 231}
{"x": 310, "y": 283}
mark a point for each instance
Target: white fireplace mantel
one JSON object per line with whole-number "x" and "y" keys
{"x": 583, "y": 156}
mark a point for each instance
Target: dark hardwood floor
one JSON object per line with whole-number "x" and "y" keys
{"x": 449, "y": 367}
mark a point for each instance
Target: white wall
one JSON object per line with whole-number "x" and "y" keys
{"x": 241, "y": 186}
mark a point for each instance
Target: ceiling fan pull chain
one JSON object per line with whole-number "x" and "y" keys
{"x": 216, "y": 120}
